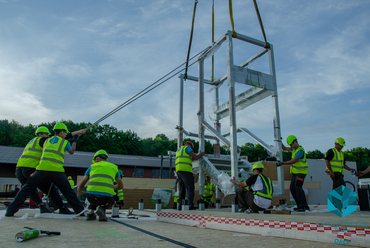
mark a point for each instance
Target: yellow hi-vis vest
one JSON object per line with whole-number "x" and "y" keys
{"x": 120, "y": 194}
{"x": 72, "y": 183}
{"x": 301, "y": 166}
{"x": 242, "y": 181}
{"x": 176, "y": 197}
{"x": 52, "y": 158}
{"x": 183, "y": 160}
{"x": 31, "y": 154}
{"x": 266, "y": 192}
{"x": 208, "y": 192}
{"x": 102, "y": 177}
{"x": 337, "y": 163}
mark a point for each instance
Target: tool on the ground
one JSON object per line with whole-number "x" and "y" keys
{"x": 130, "y": 214}
{"x": 31, "y": 233}
{"x": 282, "y": 203}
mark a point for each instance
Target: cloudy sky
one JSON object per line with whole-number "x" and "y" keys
{"x": 78, "y": 60}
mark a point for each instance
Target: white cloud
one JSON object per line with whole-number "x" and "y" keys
{"x": 100, "y": 58}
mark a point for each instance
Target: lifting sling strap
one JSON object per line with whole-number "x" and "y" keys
{"x": 191, "y": 38}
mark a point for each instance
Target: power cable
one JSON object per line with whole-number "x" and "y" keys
{"x": 146, "y": 90}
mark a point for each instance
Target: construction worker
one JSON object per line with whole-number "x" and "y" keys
{"x": 335, "y": 163}
{"x": 175, "y": 194}
{"x": 100, "y": 190}
{"x": 71, "y": 182}
{"x": 50, "y": 170}
{"x": 119, "y": 197}
{"x": 29, "y": 160}
{"x": 209, "y": 191}
{"x": 184, "y": 170}
{"x": 298, "y": 169}
{"x": 258, "y": 198}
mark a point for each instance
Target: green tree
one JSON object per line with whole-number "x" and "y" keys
{"x": 359, "y": 155}
{"x": 316, "y": 154}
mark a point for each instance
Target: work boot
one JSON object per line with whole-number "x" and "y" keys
{"x": 90, "y": 216}
{"x": 101, "y": 213}
{"x": 242, "y": 210}
{"x": 44, "y": 209}
{"x": 65, "y": 210}
{"x": 301, "y": 210}
{"x": 9, "y": 214}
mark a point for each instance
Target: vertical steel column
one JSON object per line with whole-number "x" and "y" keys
{"x": 180, "y": 136}
{"x": 216, "y": 103}
{"x": 200, "y": 123}
{"x": 217, "y": 118}
{"x": 232, "y": 109}
{"x": 170, "y": 169}
{"x": 277, "y": 131}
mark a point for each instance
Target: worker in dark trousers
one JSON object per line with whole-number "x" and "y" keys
{"x": 50, "y": 171}
{"x": 335, "y": 163}
{"x": 259, "y": 195}
{"x": 100, "y": 190}
{"x": 184, "y": 170}
{"x": 298, "y": 169}
{"x": 29, "y": 160}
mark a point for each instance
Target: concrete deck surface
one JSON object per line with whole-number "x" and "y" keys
{"x": 123, "y": 232}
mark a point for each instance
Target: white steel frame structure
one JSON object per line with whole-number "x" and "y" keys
{"x": 263, "y": 85}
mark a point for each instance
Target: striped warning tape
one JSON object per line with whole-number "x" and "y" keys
{"x": 300, "y": 226}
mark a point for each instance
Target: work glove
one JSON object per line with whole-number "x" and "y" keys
{"x": 69, "y": 137}
{"x": 278, "y": 163}
{"x": 76, "y": 138}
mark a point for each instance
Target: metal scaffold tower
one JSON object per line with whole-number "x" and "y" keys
{"x": 262, "y": 85}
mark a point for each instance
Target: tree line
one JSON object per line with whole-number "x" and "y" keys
{"x": 128, "y": 142}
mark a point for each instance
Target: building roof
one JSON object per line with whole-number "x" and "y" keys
{"x": 10, "y": 155}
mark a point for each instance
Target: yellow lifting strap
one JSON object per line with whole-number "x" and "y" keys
{"x": 261, "y": 25}
{"x": 232, "y": 18}
{"x": 259, "y": 19}
{"x": 191, "y": 38}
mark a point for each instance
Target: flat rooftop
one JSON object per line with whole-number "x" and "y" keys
{"x": 172, "y": 228}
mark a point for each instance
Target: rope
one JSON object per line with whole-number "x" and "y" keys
{"x": 234, "y": 35}
{"x": 145, "y": 91}
{"x": 261, "y": 24}
{"x": 191, "y": 38}
{"x": 48, "y": 199}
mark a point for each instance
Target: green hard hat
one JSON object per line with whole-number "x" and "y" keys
{"x": 42, "y": 129}
{"x": 257, "y": 165}
{"x": 100, "y": 152}
{"x": 290, "y": 139}
{"x": 120, "y": 173}
{"x": 340, "y": 141}
{"x": 60, "y": 126}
